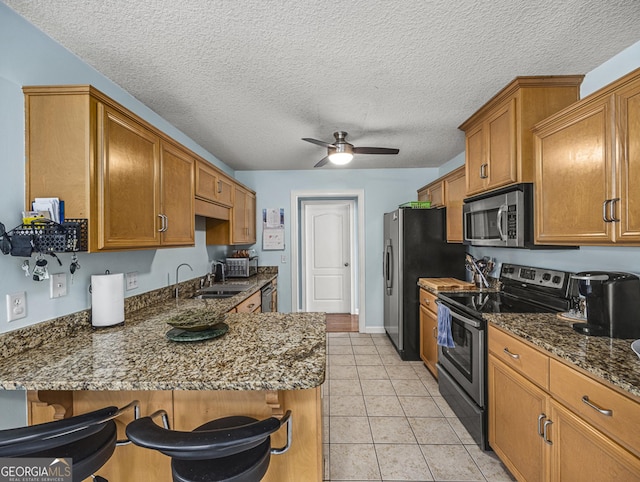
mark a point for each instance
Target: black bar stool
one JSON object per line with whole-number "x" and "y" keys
{"x": 89, "y": 439}
{"x": 230, "y": 449}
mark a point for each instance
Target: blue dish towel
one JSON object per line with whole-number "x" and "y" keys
{"x": 444, "y": 327}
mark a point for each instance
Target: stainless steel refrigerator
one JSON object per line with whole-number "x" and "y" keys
{"x": 414, "y": 247}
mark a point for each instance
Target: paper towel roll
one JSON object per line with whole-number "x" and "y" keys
{"x": 107, "y": 299}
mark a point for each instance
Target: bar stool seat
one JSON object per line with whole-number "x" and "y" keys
{"x": 230, "y": 449}
{"x": 89, "y": 439}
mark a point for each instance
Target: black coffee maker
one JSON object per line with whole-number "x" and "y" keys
{"x": 613, "y": 304}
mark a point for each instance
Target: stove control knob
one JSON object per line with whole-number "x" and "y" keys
{"x": 546, "y": 277}
{"x": 556, "y": 279}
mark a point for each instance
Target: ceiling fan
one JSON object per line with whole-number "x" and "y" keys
{"x": 341, "y": 152}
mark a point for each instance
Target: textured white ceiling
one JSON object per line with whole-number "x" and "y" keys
{"x": 247, "y": 79}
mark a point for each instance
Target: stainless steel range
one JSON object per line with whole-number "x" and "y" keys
{"x": 462, "y": 369}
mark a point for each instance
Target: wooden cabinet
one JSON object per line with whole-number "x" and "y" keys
{"x": 251, "y": 304}
{"x": 212, "y": 186}
{"x": 587, "y": 164}
{"x": 109, "y": 166}
{"x": 239, "y": 227}
{"x": 244, "y": 216}
{"x": 499, "y": 143}
{"x": 448, "y": 192}
{"x": 455, "y": 189}
{"x": 540, "y": 425}
{"x": 429, "y": 331}
{"x": 434, "y": 193}
{"x": 514, "y": 407}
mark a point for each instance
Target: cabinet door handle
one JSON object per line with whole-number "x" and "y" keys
{"x": 612, "y": 210}
{"x": 512, "y": 355}
{"x": 545, "y": 433}
{"x": 219, "y": 187}
{"x": 541, "y": 417}
{"x": 605, "y": 218}
{"x": 162, "y": 223}
{"x": 166, "y": 222}
{"x": 483, "y": 171}
{"x": 435, "y": 332}
{"x": 603, "y": 411}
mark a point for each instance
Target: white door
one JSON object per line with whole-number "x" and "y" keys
{"x": 326, "y": 255}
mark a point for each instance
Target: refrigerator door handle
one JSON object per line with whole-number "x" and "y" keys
{"x": 388, "y": 267}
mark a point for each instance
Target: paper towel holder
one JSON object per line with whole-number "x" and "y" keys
{"x": 107, "y": 299}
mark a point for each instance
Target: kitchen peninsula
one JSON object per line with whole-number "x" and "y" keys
{"x": 265, "y": 364}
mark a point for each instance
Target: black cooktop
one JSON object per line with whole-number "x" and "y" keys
{"x": 493, "y": 302}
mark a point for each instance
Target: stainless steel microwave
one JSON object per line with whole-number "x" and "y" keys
{"x": 502, "y": 218}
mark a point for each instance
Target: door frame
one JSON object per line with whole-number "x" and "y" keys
{"x": 358, "y": 196}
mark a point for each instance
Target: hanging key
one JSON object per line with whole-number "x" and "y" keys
{"x": 25, "y": 267}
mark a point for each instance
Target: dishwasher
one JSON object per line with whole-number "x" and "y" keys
{"x": 267, "y": 298}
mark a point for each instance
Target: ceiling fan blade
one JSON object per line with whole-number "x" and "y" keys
{"x": 319, "y": 143}
{"x": 374, "y": 150}
{"x": 322, "y": 161}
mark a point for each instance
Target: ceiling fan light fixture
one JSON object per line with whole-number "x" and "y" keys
{"x": 340, "y": 158}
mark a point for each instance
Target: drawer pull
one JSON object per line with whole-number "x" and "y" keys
{"x": 541, "y": 417}
{"x": 435, "y": 332}
{"x": 605, "y": 412}
{"x": 512, "y": 355}
{"x": 251, "y": 305}
{"x": 545, "y": 434}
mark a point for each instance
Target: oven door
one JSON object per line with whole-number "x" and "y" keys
{"x": 465, "y": 362}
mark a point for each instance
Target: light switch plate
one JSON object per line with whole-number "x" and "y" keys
{"x": 58, "y": 285}
{"x": 16, "y": 306}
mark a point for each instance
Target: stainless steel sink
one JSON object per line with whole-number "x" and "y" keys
{"x": 221, "y": 291}
{"x": 208, "y": 296}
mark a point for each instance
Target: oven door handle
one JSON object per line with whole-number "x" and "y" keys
{"x": 467, "y": 321}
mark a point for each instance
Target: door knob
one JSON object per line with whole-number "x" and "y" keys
{"x": 346, "y": 264}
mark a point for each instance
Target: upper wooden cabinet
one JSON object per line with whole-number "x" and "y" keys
{"x": 434, "y": 193}
{"x": 213, "y": 186}
{"x": 454, "y": 193}
{"x": 449, "y": 192}
{"x": 587, "y": 164}
{"x": 244, "y": 216}
{"x": 108, "y": 165}
{"x": 240, "y": 226}
{"x": 499, "y": 142}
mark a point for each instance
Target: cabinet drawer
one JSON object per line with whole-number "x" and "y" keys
{"x": 250, "y": 304}
{"x": 620, "y": 416}
{"x": 428, "y": 300}
{"x": 521, "y": 357}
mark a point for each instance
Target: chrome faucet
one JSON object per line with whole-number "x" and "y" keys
{"x": 215, "y": 263}
{"x": 177, "y": 271}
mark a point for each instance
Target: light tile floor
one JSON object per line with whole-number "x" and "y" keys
{"x": 384, "y": 419}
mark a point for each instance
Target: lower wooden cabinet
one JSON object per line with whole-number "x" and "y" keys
{"x": 539, "y": 437}
{"x": 429, "y": 331}
{"x": 514, "y": 407}
{"x": 580, "y": 452}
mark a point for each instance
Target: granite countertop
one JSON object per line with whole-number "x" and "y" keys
{"x": 610, "y": 359}
{"x": 261, "y": 351}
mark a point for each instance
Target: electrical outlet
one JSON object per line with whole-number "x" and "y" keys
{"x": 16, "y": 306}
{"x": 58, "y": 285}
{"x": 131, "y": 280}
{"x": 283, "y": 258}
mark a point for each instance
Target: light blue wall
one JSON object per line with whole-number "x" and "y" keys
{"x": 586, "y": 258}
{"x": 31, "y": 58}
{"x": 384, "y": 190}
